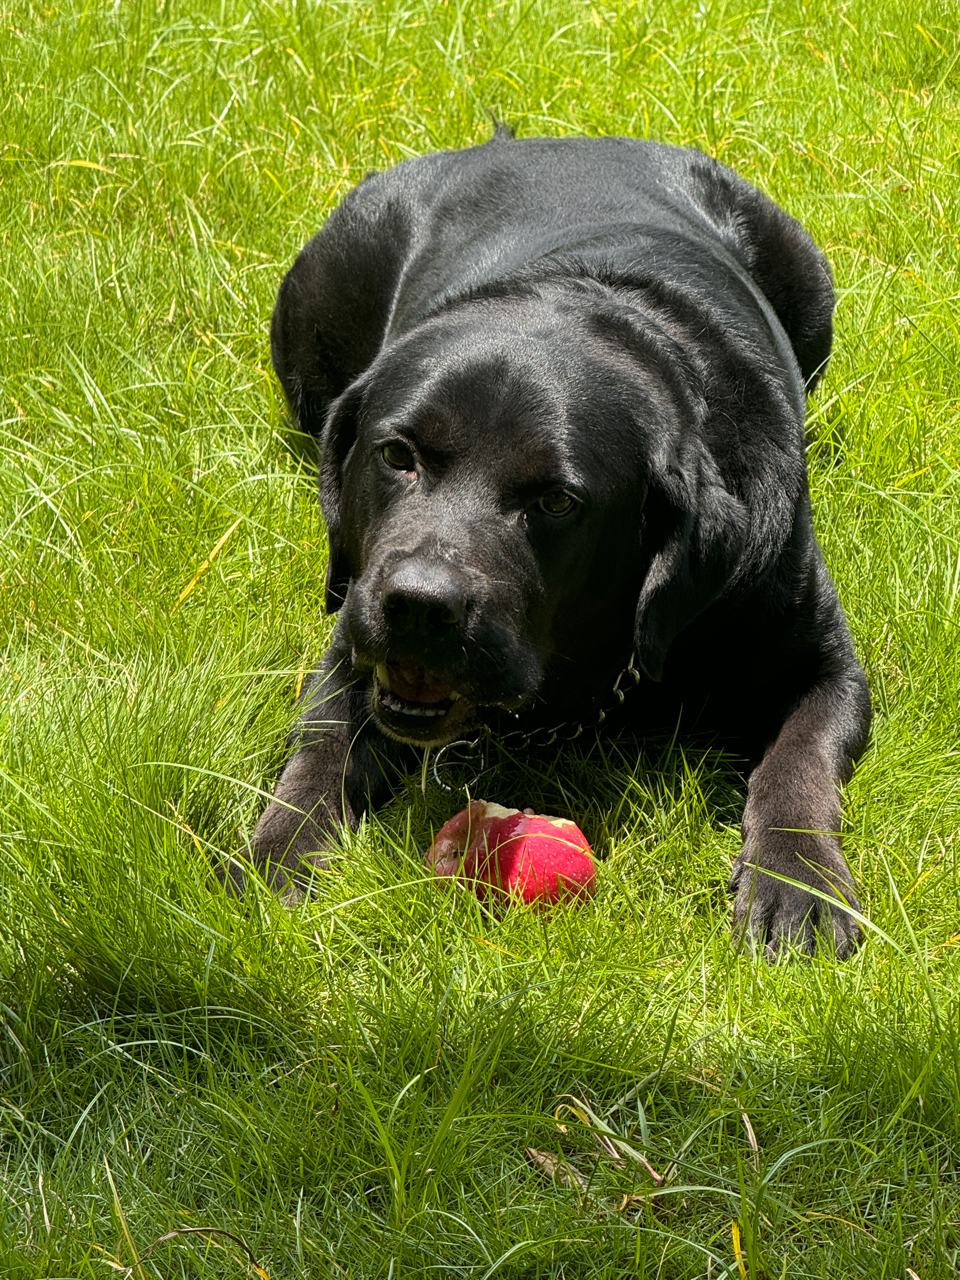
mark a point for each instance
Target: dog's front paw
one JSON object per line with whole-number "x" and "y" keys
{"x": 774, "y": 916}
{"x": 287, "y": 849}
{"x": 291, "y": 876}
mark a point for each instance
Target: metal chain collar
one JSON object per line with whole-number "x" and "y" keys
{"x": 540, "y": 737}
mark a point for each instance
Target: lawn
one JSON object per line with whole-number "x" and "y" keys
{"x": 351, "y": 1088}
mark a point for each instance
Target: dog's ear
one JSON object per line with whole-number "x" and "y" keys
{"x": 696, "y": 530}
{"x": 337, "y": 439}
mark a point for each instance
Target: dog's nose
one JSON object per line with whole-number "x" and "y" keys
{"x": 423, "y": 598}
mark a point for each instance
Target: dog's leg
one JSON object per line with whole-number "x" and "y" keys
{"x": 340, "y": 769}
{"x": 792, "y": 819}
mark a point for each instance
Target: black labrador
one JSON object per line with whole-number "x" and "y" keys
{"x": 559, "y": 386}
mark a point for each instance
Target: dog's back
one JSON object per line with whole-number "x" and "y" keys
{"x": 412, "y": 239}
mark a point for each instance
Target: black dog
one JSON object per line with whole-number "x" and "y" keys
{"x": 560, "y": 389}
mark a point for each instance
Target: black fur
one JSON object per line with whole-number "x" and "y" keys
{"x": 482, "y": 339}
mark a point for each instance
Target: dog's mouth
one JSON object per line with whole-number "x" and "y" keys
{"x": 415, "y": 705}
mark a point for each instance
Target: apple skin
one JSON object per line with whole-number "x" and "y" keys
{"x": 513, "y": 854}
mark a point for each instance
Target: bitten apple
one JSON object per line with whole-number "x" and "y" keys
{"x": 513, "y": 853}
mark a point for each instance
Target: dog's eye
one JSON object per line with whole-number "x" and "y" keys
{"x": 557, "y": 503}
{"x": 398, "y": 456}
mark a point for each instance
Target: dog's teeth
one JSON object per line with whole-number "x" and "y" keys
{"x": 399, "y": 707}
{"x": 390, "y": 700}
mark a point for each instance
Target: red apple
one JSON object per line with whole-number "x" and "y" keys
{"x": 509, "y": 853}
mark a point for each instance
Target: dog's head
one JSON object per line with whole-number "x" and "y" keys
{"x": 517, "y": 493}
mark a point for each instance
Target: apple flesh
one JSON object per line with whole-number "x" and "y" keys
{"x": 506, "y": 854}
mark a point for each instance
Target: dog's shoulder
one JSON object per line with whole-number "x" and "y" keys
{"x": 777, "y": 252}
{"x": 338, "y": 299}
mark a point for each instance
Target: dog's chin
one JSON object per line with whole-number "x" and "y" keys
{"x": 413, "y": 706}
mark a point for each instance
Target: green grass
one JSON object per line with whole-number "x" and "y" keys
{"x": 349, "y": 1089}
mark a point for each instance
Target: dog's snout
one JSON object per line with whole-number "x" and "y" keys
{"x": 423, "y": 598}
